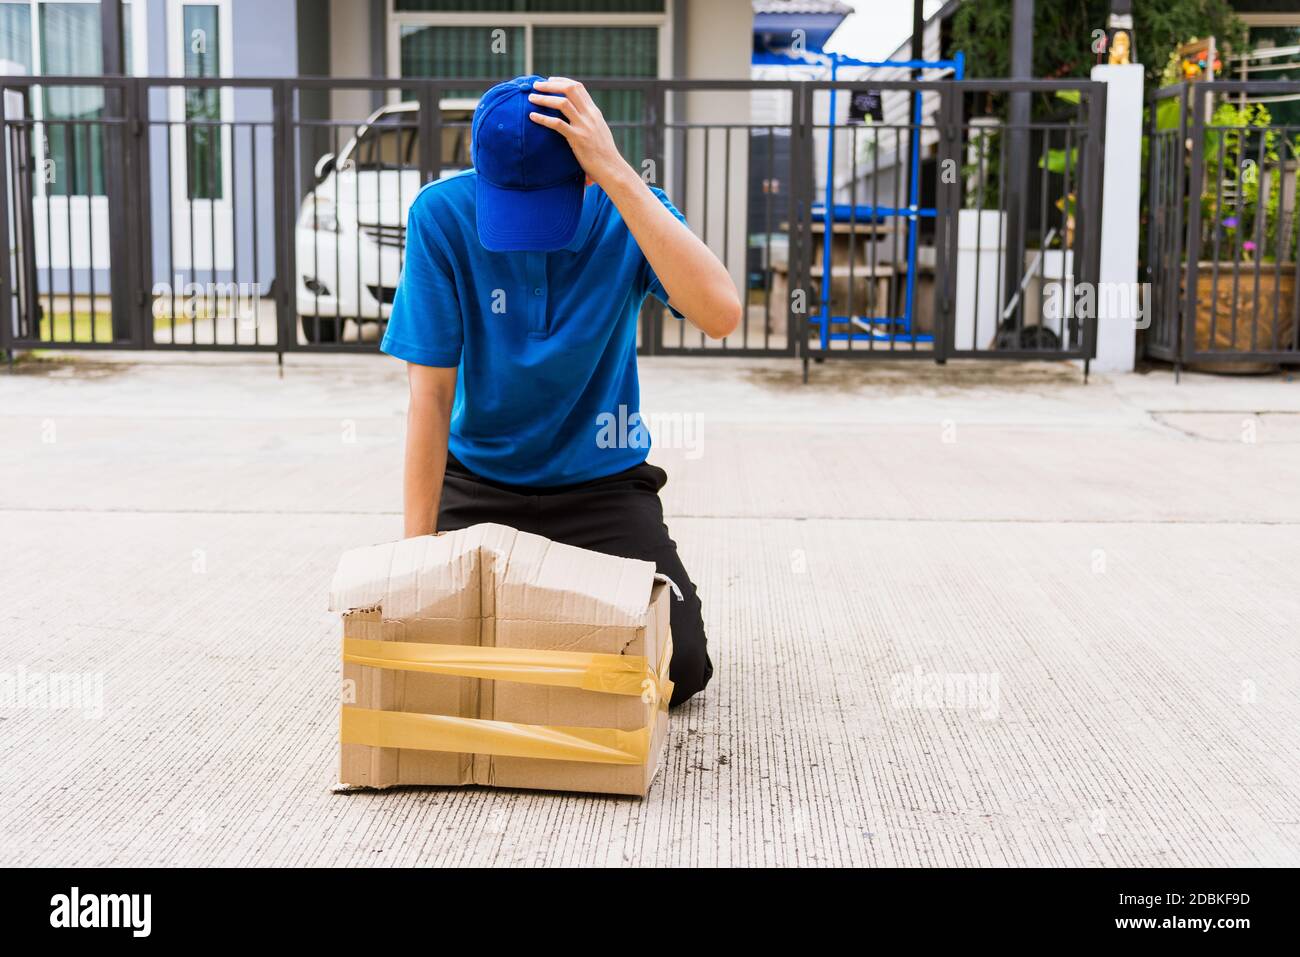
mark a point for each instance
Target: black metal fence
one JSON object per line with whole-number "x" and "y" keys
{"x": 228, "y": 214}
{"x": 1221, "y": 225}
{"x": 957, "y": 233}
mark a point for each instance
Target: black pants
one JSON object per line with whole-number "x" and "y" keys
{"x": 618, "y": 515}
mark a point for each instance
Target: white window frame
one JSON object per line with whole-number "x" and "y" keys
{"x": 76, "y": 248}
{"x": 176, "y": 42}
{"x": 1266, "y": 20}
{"x": 139, "y": 12}
{"x": 139, "y": 37}
{"x": 396, "y": 20}
{"x": 208, "y": 215}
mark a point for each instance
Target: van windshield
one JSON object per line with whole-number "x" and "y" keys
{"x": 393, "y": 142}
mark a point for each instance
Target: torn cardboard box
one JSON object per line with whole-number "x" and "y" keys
{"x": 492, "y": 656}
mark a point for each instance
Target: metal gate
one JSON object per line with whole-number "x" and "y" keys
{"x": 245, "y": 214}
{"x": 933, "y": 252}
{"x": 1221, "y": 224}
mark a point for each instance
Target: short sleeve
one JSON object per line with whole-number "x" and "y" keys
{"x": 425, "y": 325}
{"x": 653, "y": 286}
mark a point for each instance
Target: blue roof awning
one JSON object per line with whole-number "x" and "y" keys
{"x": 827, "y": 60}
{"x": 777, "y": 29}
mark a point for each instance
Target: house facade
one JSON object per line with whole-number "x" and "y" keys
{"x": 202, "y": 175}
{"x": 1273, "y": 41}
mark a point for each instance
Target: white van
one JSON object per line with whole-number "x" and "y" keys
{"x": 351, "y": 231}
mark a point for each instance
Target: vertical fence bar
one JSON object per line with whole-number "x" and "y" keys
{"x": 314, "y": 336}
{"x": 1092, "y": 185}
{"x": 879, "y": 310}
{"x": 1153, "y": 232}
{"x": 142, "y": 209}
{"x": 1240, "y": 142}
{"x": 231, "y": 158}
{"x": 947, "y": 202}
{"x": 46, "y": 184}
{"x": 1261, "y": 214}
{"x": 1293, "y": 230}
{"x": 21, "y": 207}
{"x": 90, "y": 230}
{"x": 688, "y": 208}
{"x": 1191, "y": 195}
{"x": 913, "y": 221}
{"x": 429, "y": 133}
{"x": 796, "y": 269}
{"x": 6, "y": 279}
{"x": 655, "y": 106}
{"x": 283, "y": 178}
{"x": 256, "y": 287}
{"x": 125, "y": 324}
{"x": 770, "y": 168}
{"x": 1002, "y": 277}
{"x": 70, "y": 157}
{"x": 137, "y": 272}
{"x": 210, "y": 177}
{"x": 726, "y": 227}
{"x": 1214, "y": 243}
{"x": 1279, "y": 252}
{"x": 705, "y": 178}
{"x": 124, "y": 320}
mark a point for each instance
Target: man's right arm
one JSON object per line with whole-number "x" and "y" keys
{"x": 428, "y": 422}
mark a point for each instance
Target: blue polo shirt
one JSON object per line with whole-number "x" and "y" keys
{"x": 547, "y": 391}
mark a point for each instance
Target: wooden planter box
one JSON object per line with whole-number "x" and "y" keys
{"x": 1214, "y": 307}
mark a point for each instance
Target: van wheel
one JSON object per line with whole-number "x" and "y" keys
{"x": 317, "y": 330}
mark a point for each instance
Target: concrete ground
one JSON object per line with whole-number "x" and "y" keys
{"x": 972, "y": 615}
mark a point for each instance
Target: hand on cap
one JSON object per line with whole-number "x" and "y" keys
{"x": 588, "y": 134}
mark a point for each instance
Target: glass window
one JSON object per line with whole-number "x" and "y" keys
{"x": 74, "y": 133}
{"x": 391, "y": 142}
{"x": 462, "y": 51}
{"x": 16, "y": 31}
{"x": 1284, "y": 110}
{"x": 529, "y": 6}
{"x": 498, "y": 52}
{"x": 16, "y": 34}
{"x": 202, "y": 38}
{"x": 604, "y": 51}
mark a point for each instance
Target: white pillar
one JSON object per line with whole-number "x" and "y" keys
{"x": 1117, "y": 299}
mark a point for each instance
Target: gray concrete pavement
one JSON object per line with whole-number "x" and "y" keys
{"x": 972, "y": 615}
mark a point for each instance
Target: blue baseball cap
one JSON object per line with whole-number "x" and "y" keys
{"x": 529, "y": 184}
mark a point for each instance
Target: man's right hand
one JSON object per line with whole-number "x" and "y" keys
{"x": 583, "y": 126}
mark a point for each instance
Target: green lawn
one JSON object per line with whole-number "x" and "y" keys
{"x": 83, "y": 326}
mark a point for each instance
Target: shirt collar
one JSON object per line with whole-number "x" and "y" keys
{"x": 590, "y": 200}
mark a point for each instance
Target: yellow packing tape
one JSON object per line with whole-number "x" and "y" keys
{"x": 610, "y": 674}
{"x": 438, "y": 732}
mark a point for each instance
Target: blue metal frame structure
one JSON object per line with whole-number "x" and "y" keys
{"x": 913, "y": 212}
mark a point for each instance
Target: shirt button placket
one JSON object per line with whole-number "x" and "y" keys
{"x": 537, "y": 295}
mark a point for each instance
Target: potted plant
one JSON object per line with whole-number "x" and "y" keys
{"x": 1245, "y": 278}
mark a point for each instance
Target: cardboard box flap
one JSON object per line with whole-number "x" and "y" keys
{"x": 541, "y": 580}
{"x": 433, "y": 576}
{"x": 491, "y": 570}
